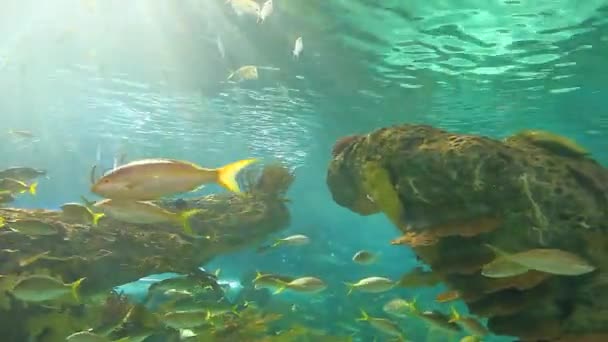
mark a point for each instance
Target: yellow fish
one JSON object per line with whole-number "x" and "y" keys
{"x": 371, "y": 284}
{"x": 382, "y": 324}
{"x": 17, "y": 186}
{"x": 154, "y": 178}
{"x": 304, "y": 284}
{"x": 140, "y": 212}
{"x": 40, "y": 288}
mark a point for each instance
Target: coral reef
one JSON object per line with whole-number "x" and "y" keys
{"x": 457, "y": 192}
{"x": 113, "y": 253}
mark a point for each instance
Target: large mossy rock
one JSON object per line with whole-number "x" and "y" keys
{"x": 472, "y": 190}
{"x": 114, "y": 253}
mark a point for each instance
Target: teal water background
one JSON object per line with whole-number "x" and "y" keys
{"x": 146, "y": 79}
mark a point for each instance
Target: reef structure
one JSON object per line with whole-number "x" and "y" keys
{"x": 113, "y": 253}
{"x": 451, "y": 194}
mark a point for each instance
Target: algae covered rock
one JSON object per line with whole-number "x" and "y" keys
{"x": 450, "y": 194}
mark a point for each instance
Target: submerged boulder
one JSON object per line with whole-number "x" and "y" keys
{"x": 450, "y": 194}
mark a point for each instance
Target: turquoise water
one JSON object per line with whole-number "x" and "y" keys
{"x": 96, "y": 79}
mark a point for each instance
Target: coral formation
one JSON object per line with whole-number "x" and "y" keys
{"x": 464, "y": 191}
{"x": 114, "y": 253}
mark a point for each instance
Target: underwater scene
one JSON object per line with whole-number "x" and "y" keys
{"x": 303, "y": 170}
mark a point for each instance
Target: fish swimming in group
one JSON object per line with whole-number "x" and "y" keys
{"x": 382, "y": 324}
{"x": 270, "y": 281}
{"x": 552, "y": 261}
{"x": 304, "y": 285}
{"x": 150, "y": 179}
{"x": 399, "y": 307}
{"x": 468, "y": 323}
{"x": 23, "y": 174}
{"x": 293, "y": 240}
{"x": 141, "y": 212}
{"x": 447, "y": 296}
{"x": 32, "y": 227}
{"x": 40, "y": 288}
{"x": 364, "y": 257}
{"x": 371, "y": 284}
{"x": 184, "y": 319}
{"x": 81, "y": 213}
{"x": 17, "y": 187}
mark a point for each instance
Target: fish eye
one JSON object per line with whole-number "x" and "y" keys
{"x": 106, "y": 181}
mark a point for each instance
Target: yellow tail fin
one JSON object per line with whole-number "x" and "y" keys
{"x": 76, "y": 288}
{"x": 364, "y": 316}
{"x": 97, "y": 217}
{"x": 2, "y": 222}
{"x": 226, "y": 175}
{"x": 455, "y": 317}
{"x": 32, "y": 188}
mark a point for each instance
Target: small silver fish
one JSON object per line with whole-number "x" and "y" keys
{"x": 298, "y": 48}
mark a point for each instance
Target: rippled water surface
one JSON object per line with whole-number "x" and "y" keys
{"x": 94, "y": 79}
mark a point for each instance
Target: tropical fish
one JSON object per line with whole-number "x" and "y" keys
{"x": 470, "y": 324}
{"x": 247, "y": 72}
{"x": 471, "y": 338}
{"x": 399, "y": 307}
{"x": 40, "y": 288}
{"x": 364, "y": 257}
{"x": 439, "y": 320}
{"x": 17, "y": 186}
{"x": 242, "y": 7}
{"x": 293, "y": 240}
{"x": 304, "y": 284}
{"x": 371, "y": 284}
{"x": 503, "y": 268}
{"x": 23, "y": 174}
{"x": 81, "y": 213}
{"x": 32, "y": 227}
{"x": 140, "y": 212}
{"x": 553, "y": 261}
{"x": 270, "y": 280}
{"x": 382, "y": 324}
{"x": 418, "y": 277}
{"x": 184, "y": 319}
{"x": 298, "y": 47}
{"x": 153, "y": 178}
{"x": 447, "y": 296}
{"x": 180, "y": 283}
{"x": 266, "y": 11}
